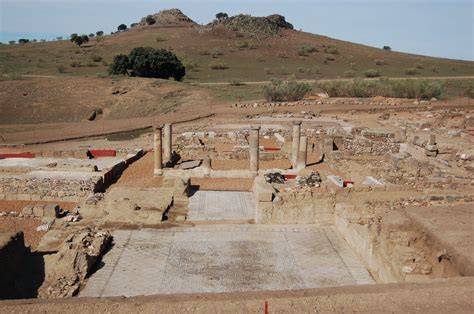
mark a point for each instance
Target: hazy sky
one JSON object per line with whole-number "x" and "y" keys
{"x": 442, "y": 28}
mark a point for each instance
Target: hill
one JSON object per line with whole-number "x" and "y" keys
{"x": 228, "y": 50}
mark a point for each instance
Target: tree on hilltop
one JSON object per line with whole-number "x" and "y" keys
{"x": 221, "y": 15}
{"x": 122, "y": 27}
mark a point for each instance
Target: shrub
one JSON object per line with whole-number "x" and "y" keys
{"x": 260, "y": 59}
{"x": 99, "y": 33}
{"x": 282, "y": 55}
{"x": 411, "y": 71}
{"x": 372, "y": 73}
{"x": 379, "y": 62}
{"x": 216, "y": 52}
{"x": 353, "y": 65}
{"x": 121, "y": 27}
{"x": 160, "y": 39}
{"x": 306, "y": 49}
{"x": 12, "y": 42}
{"x": 91, "y": 65}
{"x": 235, "y": 82}
{"x": 315, "y": 70}
{"x": 332, "y": 50}
{"x": 419, "y": 66}
{"x": 133, "y": 25}
{"x": 290, "y": 90}
{"x": 61, "y": 69}
{"x": 205, "y": 53}
{"x": 59, "y": 38}
{"x": 23, "y": 41}
{"x": 301, "y": 70}
{"x": 218, "y": 65}
{"x": 434, "y": 69}
{"x": 149, "y": 62}
{"x": 329, "y": 58}
{"x": 75, "y": 64}
{"x": 241, "y": 44}
{"x": 96, "y": 58}
{"x": 91, "y": 35}
{"x": 149, "y": 20}
{"x": 423, "y": 89}
{"x": 43, "y": 40}
{"x": 349, "y": 74}
{"x": 120, "y": 65}
{"x": 387, "y": 48}
{"x": 268, "y": 71}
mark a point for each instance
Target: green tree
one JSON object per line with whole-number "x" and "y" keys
{"x": 150, "y": 20}
{"x": 221, "y": 15}
{"x": 73, "y": 37}
{"x": 23, "y": 41}
{"x": 149, "y": 62}
{"x": 99, "y": 33}
{"x": 79, "y": 40}
{"x": 121, "y": 27}
{"x": 120, "y": 65}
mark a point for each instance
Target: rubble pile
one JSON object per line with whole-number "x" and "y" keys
{"x": 275, "y": 177}
{"x": 312, "y": 180}
{"x": 67, "y": 269}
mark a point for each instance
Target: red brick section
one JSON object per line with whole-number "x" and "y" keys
{"x": 96, "y": 153}
{"x": 17, "y": 155}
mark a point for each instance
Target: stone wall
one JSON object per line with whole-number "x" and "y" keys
{"x": 23, "y": 187}
{"x": 305, "y": 206}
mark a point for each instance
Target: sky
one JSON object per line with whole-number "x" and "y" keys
{"x": 440, "y": 28}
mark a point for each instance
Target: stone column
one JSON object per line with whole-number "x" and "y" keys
{"x": 158, "y": 160}
{"x": 303, "y": 153}
{"x": 254, "y": 148}
{"x": 296, "y": 142}
{"x": 167, "y": 143}
{"x": 206, "y": 166}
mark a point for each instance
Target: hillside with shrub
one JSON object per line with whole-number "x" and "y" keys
{"x": 241, "y": 47}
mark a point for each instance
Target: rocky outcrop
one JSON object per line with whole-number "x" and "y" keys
{"x": 258, "y": 27}
{"x": 171, "y": 17}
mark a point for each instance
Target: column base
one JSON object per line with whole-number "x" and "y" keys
{"x": 158, "y": 172}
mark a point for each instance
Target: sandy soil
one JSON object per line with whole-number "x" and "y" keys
{"x": 26, "y": 225}
{"x": 140, "y": 174}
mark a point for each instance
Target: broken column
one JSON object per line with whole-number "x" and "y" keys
{"x": 168, "y": 142}
{"x": 206, "y": 166}
{"x": 431, "y": 149}
{"x": 254, "y": 148}
{"x": 296, "y": 143}
{"x": 302, "y": 154}
{"x": 158, "y": 158}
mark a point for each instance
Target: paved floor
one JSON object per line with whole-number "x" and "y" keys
{"x": 225, "y": 258}
{"x": 213, "y": 205}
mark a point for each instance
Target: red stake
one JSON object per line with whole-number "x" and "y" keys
{"x": 266, "y": 307}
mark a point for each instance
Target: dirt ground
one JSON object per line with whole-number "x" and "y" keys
{"x": 453, "y": 295}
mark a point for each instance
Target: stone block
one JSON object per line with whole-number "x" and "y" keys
{"x": 51, "y": 210}
{"x": 27, "y": 210}
{"x": 38, "y": 210}
{"x": 23, "y": 197}
{"x": 262, "y": 190}
{"x": 336, "y": 180}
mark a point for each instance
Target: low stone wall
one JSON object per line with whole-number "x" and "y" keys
{"x": 392, "y": 247}
{"x": 23, "y": 187}
{"x": 292, "y": 207}
{"x": 360, "y": 145}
